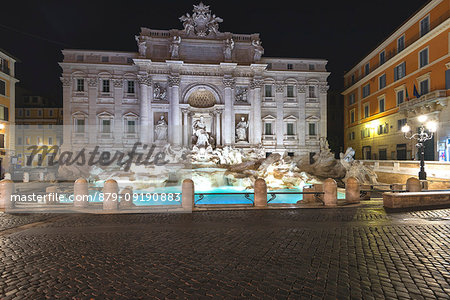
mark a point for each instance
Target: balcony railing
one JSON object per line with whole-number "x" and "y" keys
{"x": 390, "y": 54}
{"x": 5, "y": 69}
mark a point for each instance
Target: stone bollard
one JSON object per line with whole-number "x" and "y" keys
{"x": 396, "y": 187}
{"x": 26, "y": 177}
{"x": 7, "y": 176}
{"x": 80, "y": 193}
{"x": 6, "y": 191}
{"x": 260, "y": 193}
{"x": 187, "y": 194}
{"x": 352, "y": 190}
{"x": 51, "y": 195}
{"x": 110, "y": 195}
{"x": 308, "y": 198}
{"x": 126, "y": 198}
{"x": 413, "y": 185}
{"x": 330, "y": 189}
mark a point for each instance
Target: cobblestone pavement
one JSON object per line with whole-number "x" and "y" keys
{"x": 343, "y": 253}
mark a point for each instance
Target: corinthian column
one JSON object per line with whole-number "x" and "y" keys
{"x": 67, "y": 113}
{"x": 228, "y": 82}
{"x": 174, "y": 121}
{"x": 144, "y": 81}
{"x": 256, "y": 108}
{"x": 279, "y": 99}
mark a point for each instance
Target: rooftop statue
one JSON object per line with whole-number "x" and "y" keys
{"x": 201, "y": 23}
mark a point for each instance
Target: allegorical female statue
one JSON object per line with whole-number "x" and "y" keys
{"x": 241, "y": 130}
{"x": 199, "y": 131}
{"x": 161, "y": 130}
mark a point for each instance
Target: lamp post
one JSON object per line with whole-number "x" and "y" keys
{"x": 421, "y": 138}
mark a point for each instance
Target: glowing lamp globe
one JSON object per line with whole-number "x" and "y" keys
{"x": 422, "y": 118}
{"x": 406, "y": 128}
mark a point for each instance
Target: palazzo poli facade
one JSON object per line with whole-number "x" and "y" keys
{"x": 195, "y": 87}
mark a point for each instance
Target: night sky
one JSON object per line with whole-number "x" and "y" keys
{"x": 342, "y": 32}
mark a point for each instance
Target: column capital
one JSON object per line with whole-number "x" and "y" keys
{"x": 279, "y": 87}
{"x": 323, "y": 88}
{"x": 144, "y": 79}
{"x": 301, "y": 88}
{"x": 65, "y": 80}
{"x": 256, "y": 83}
{"x": 92, "y": 82}
{"x": 174, "y": 80}
{"x": 229, "y": 82}
{"x": 118, "y": 83}
{"x": 185, "y": 110}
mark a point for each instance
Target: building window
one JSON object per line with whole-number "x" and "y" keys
{"x": 131, "y": 126}
{"x": 351, "y": 99}
{"x": 381, "y": 105}
{"x": 290, "y": 66}
{"x": 290, "y": 129}
{"x": 365, "y": 133}
{"x": 383, "y": 129}
{"x": 311, "y": 91}
{"x": 105, "y": 86}
{"x": 27, "y": 112}
{"x": 39, "y": 112}
{"x": 38, "y": 141}
{"x": 400, "y": 71}
{"x": 353, "y": 78}
{"x": 50, "y": 141}
{"x": 351, "y": 136}
{"x": 423, "y": 58}
{"x": 106, "y": 126}
{"x": 4, "y": 113}
{"x": 2, "y": 141}
{"x": 352, "y": 116}
{"x": 382, "y": 57}
{"x": 366, "y": 110}
{"x": 79, "y": 125}
{"x": 27, "y": 140}
{"x": 424, "y": 26}
{"x": 267, "y": 90}
{"x": 382, "y": 81}
{"x": 50, "y": 113}
{"x": 80, "y": 85}
{"x": 130, "y": 87}
{"x": 20, "y": 112}
{"x": 311, "y": 67}
{"x": 401, "y": 44}
{"x": 401, "y": 123}
{"x": 312, "y": 129}
{"x": 290, "y": 91}
{"x": 366, "y": 90}
{"x": 34, "y": 100}
{"x": 105, "y": 59}
{"x": 50, "y": 126}
{"x": 400, "y": 97}
{"x": 268, "y": 129}
{"x": 40, "y": 126}
{"x": 367, "y": 69}
{"x": 424, "y": 87}
{"x": 19, "y": 140}
{"x": 2, "y": 88}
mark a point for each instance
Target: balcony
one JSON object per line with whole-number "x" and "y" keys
{"x": 5, "y": 69}
{"x": 391, "y": 54}
{"x": 433, "y": 101}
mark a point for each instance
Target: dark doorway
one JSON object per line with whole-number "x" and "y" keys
{"x": 382, "y": 153}
{"x": 367, "y": 152}
{"x": 401, "y": 151}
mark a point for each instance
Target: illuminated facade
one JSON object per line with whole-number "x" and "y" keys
{"x": 179, "y": 78}
{"x": 406, "y": 76}
{"x": 7, "y": 106}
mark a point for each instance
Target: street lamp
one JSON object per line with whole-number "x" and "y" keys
{"x": 421, "y": 138}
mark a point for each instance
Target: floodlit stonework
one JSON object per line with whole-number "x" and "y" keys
{"x": 195, "y": 87}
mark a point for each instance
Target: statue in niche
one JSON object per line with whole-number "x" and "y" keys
{"x": 161, "y": 130}
{"x": 241, "y": 130}
{"x": 241, "y": 94}
{"x": 227, "y": 51}
{"x": 159, "y": 93}
{"x": 259, "y": 50}
{"x": 175, "y": 46}
{"x": 141, "y": 45}
{"x": 200, "y": 135}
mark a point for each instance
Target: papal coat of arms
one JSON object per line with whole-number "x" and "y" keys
{"x": 201, "y": 23}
